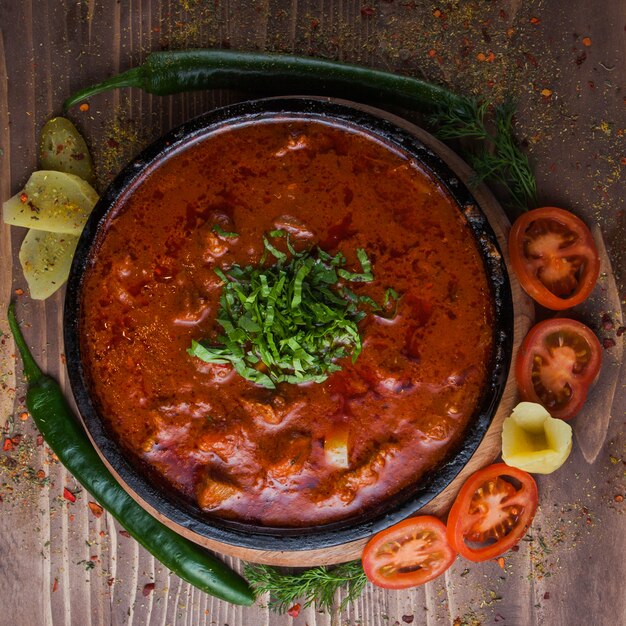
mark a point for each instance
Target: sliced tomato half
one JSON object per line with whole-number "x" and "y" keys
{"x": 556, "y": 364}
{"x": 554, "y": 256}
{"x": 492, "y": 512}
{"x": 408, "y": 554}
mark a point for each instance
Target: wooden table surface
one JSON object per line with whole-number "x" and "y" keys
{"x": 564, "y": 62}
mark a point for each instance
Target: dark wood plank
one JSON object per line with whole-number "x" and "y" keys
{"x": 48, "y": 49}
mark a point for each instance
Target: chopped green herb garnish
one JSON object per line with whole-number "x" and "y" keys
{"x": 290, "y": 321}
{"x": 223, "y": 233}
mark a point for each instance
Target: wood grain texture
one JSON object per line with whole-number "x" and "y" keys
{"x": 570, "y": 570}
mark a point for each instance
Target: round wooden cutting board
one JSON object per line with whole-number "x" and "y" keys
{"x": 489, "y": 448}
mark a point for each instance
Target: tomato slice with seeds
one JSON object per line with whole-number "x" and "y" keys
{"x": 408, "y": 554}
{"x": 556, "y": 364}
{"x": 492, "y": 512}
{"x": 554, "y": 256}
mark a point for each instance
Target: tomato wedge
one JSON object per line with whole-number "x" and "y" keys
{"x": 554, "y": 256}
{"x": 556, "y": 364}
{"x": 492, "y": 512}
{"x": 408, "y": 554}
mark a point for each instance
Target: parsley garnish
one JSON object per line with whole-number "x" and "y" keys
{"x": 290, "y": 321}
{"x": 218, "y": 230}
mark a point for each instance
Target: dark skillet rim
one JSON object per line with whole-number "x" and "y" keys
{"x": 403, "y": 504}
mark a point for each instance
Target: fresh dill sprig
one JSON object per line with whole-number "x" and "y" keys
{"x": 498, "y": 158}
{"x": 313, "y": 586}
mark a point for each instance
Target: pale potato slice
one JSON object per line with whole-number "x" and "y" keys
{"x": 532, "y": 440}
{"x": 52, "y": 201}
{"x": 46, "y": 259}
{"x": 63, "y": 148}
{"x": 336, "y": 447}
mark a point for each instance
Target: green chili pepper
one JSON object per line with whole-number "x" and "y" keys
{"x": 70, "y": 443}
{"x": 169, "y": 72}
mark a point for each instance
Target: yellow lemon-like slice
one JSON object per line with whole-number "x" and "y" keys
{"x": 55, "y": 202}
{"x": 532, "y": 440}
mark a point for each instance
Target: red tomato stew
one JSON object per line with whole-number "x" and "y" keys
{"x": 299, "y": 454}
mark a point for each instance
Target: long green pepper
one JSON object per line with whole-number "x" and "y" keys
{"x": 67, "y": 439}
{"x": 168, "y": 72}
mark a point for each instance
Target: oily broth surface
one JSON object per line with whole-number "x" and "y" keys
{"x": 244, "y": 452}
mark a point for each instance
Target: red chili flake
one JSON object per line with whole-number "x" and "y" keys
{"x": 481, "y": 57}
{"x": 608, "y": 342}
{"x": 41, "y": 474}
{"x": 546, "y": 93}
{"x": 55, "y": 585}
{"x": 8, "y": 445}
{"x": 619, "y": 498}
{"x": 83, "y": 107}
{"x": 535, "y": 21}
{"x": 23, "y": 198}
{"x": 102, "y": 533}
{"x": 68, "y": 495}
{"x": 607, "y": 322}
{"x": 124, "y": 533}
{"x": 17, "y": 440}
{"x": 587, "y": 41}
{"x": 24, "y": 416}
{"x": 623, "y": 160}
{"x": 63, "y": 359}
{"x": 40, "y": 440}
{"x": 491, "y": 57}
{"x": 367, "y": 11}
{"x": 71, "y": 517}
{"x": 294, "y": 611}
{"x": 515, "y": 548}
{"x": 148, "y": 589}
{"x": 620, "y": 331}
{"x": 500, "y": 562}
{"x": 503, "y": 14}
{"x": 546, "y": 595}
{"x": 315, "y": 24}
{"x": 156, "y": 29}
{"x": 408, "y": 619}
{"x": 581, "y": 58}
{"x": 437, "y": 13}
{"x": 19, "y": 292}
{"x": 432, "y": 52}
{"x": 96, "y": 509}
{"x": 531, "y": 59}
{"x": 110, "y": 581}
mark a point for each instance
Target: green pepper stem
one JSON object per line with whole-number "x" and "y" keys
{"x": 32, "y": 371}
{"x": 130, "y": 78}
